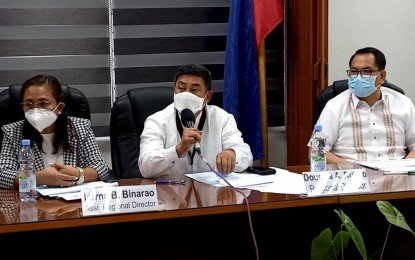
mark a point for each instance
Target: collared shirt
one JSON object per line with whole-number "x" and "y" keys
{"x": 160, "y": 136}
{"x": 85, "y": 153}
{"x": 337, "y": 123}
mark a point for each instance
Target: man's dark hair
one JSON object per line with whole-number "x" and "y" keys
{"x": 196, "y": 70}
{"x": 60, "y": 139}
{"x": 380, "y": 59}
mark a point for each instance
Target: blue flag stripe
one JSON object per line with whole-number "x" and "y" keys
{"x": 241, "y": 81}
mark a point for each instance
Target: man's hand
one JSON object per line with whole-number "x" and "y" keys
{"x": 226, "y": 196}
{"x": 225, "y": 161}
{"x": 189, "y": 138}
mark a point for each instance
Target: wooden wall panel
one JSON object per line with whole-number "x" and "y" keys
{"x": 306, "y": 47}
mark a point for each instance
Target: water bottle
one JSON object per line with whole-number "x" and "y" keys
{"x": 318, "y": 153}
{"x": 28, "y": 211}
{"x": 26, "y": 173}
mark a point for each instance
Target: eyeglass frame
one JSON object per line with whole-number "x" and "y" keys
{"x": 360, "y": 72}
{"x": 32, "y": 105}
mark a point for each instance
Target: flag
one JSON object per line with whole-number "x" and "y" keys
{"x": 250, "y": 21}
{"x": 268, "y": 14}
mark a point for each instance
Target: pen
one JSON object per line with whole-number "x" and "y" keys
{"x": 399, "y": 172}
{"x": 370, "y": 167}
{"x": 169, "y": 181}
{"x": 395, "y": 172}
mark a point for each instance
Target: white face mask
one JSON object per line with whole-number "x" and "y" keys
{"x": 41, "y": 118}
{"x": 188, "y": 100}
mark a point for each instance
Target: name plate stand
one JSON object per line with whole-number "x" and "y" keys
{"x": 121, "y": 199}
{"x": 336, "y": 182}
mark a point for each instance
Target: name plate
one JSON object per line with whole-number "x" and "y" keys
{"x": 336, "y": 182}
{"x": 121, "y": 199}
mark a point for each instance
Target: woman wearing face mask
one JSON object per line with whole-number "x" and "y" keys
{"x": 65, "y": 149}
{"x": 367, "y": 121}
{"x": 167, "y": 145}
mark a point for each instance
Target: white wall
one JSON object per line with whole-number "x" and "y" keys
{"x": 384, "y": 24}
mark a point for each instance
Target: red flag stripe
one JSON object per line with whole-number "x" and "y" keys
{"x": 267, "y": 15}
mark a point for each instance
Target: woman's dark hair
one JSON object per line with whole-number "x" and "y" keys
{"x": 60, "y": 139}
{"x": 195, "y": 70}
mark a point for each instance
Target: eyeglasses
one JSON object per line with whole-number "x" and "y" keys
{"x": 366, "y": 73}
{"x": 40, "y": 104}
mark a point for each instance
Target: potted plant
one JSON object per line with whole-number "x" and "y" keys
{"x": 325, "y": 247}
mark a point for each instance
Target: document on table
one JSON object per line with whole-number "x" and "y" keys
{"x": 282, "y": 181}
{"x": 285, "y": 182}
{"x": 72, "y": 192}
{"x": 400, "y": 165}
{"x": 238, "y": 180}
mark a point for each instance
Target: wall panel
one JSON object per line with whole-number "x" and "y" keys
{"x": 70, "y": 39}
{"x": 67, "y": 39}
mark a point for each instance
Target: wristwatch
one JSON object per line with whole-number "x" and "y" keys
{"x": 81, "y": 176}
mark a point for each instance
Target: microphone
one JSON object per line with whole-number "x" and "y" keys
{"x": 188, "y": 120}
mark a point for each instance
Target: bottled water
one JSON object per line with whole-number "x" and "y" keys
{"x": 318, "y": 153}
{"x": 27, "y": 177}
{"x": 28, "y": 211}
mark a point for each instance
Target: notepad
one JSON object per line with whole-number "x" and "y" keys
{"x": 391, "y": 166}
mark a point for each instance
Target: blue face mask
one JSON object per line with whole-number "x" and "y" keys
{"x": 362, "y": 87}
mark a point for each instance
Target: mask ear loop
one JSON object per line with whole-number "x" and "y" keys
{"x": 377, "y": 87}
{"x": 205, "y": 103}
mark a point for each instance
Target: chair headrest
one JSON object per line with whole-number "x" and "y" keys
{"x": 76, "y": 103}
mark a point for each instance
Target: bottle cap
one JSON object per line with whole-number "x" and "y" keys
{"x": 317, "y": 127}
{"x": 25, "y": 142}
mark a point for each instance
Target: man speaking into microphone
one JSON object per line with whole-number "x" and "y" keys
{"x": 172, "y": 139}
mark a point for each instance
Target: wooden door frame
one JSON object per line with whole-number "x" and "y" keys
{"x": 307, "y": 61}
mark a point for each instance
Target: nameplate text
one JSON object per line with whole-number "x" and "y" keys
{"x": 336, "y": 182}
{"x": 121, "y": 199}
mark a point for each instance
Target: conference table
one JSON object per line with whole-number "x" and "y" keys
{"x": 199, "y": 221}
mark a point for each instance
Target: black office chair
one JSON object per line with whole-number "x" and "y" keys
{"x": 337, "y": 88}
{"x": 11, "y": 110}
{"x": 128, "y": 114}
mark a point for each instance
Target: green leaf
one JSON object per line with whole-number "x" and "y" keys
{"x": 354, "y": 233}
{"x": 341, "y": 241}
{"x": 321, "y": 246}
{"x": 393, "y": 215}
{"x": 324, "y": 247}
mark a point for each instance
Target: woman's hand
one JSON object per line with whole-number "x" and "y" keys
{"x": 66, "y": 169}
{"x": 58, "y": 175}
